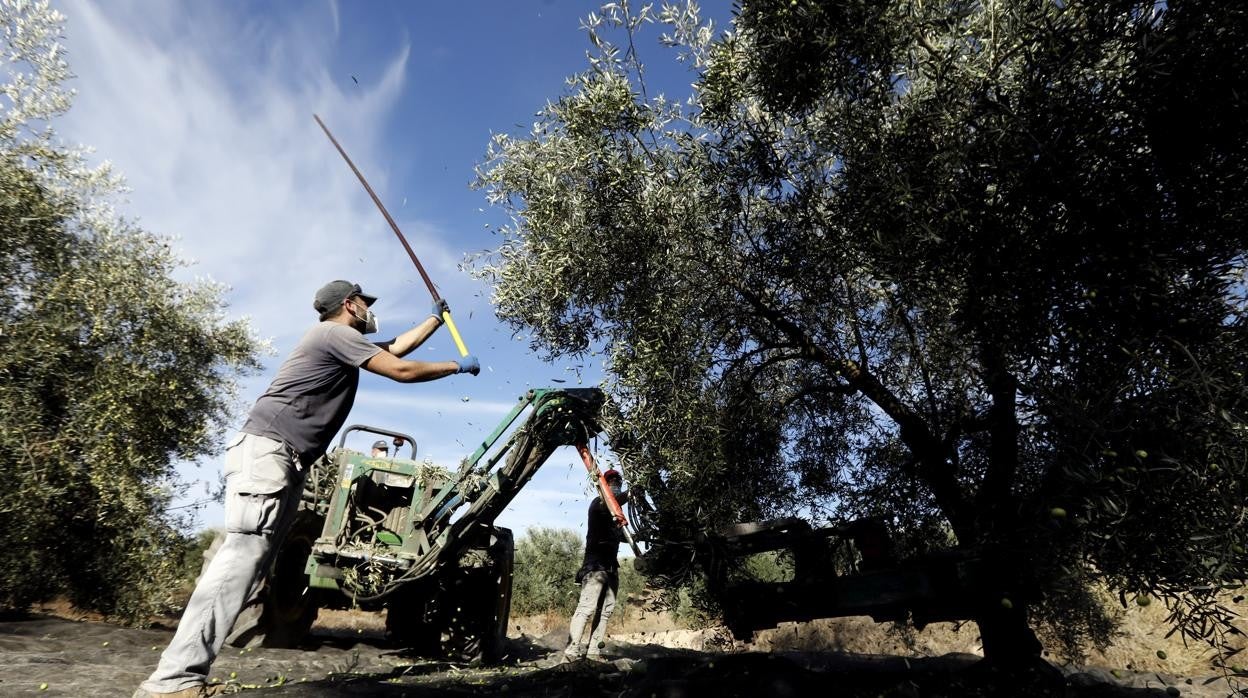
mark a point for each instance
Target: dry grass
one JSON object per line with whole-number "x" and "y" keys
{"x": 1142, "y": 635}
{"x": 1141, "y": 638}
{"x": 625, "y": 621}
{"x": 861, "y": 635}
{"x": 1140, "y": 645}
{"x": 537, "y": 625}
{"x": 350, "y": 622}
{"x": 62, "y": 608}
{"x": 366, "y": 623}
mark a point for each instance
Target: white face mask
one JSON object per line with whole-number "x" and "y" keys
{"x": 371, "y": 323}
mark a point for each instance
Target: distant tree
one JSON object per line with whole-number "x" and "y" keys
{"x": 632, "y": 586}
{"x": 970, "y": 267}
{"x": 545, "y": 571}
{"x": 193, "y": 552}
{"x": 110, "y": 370}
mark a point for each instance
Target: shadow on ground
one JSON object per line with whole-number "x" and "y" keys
{"x": 43, "y": 656}
{"x": 651, "y": 671}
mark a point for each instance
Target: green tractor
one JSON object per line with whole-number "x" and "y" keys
{"x": 414, "y": 538}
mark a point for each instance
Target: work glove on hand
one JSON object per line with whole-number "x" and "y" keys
{"x": 469, "y": 364}
{"x": 440, "y": 306}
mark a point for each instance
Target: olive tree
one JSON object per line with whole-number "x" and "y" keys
{"x": 111, "y": 371}
{"x": 547, "y": 560}
{"x": 545, "y": 571}
{"x": 975, "y": 268}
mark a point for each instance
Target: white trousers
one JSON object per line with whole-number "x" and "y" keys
{"x": 263, "y": 484}
{"x": 595, "y": 606}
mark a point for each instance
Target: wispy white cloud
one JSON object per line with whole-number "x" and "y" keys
{"x": 207, "y": 110}
{"x": 414, "y": 399}
{"x": 220, "y": 150}
{"x": 209, "y": 117}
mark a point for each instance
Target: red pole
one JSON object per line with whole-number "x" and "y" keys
{"x": 612, "y": 505}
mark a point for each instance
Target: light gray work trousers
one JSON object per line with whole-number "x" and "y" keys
{"x": 263, "y": 483}
{"x": 594, "y": 609}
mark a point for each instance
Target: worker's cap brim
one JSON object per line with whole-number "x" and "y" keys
{"x": 332, "y": 294}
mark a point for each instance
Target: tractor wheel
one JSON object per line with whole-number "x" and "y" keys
{"x": 282, "y": 612}
{"x": 407, "y": 620}
{"x": 502, "y": 554}
{"x": 474, "y": 605}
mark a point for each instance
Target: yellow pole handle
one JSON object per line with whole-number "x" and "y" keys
{"x": 450, "y": 325}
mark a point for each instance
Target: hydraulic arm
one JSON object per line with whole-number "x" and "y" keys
{"x": 414, "y": 519}
{"x": 555, "y": 418}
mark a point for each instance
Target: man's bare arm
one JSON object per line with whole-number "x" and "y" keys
{"x": 387, "y": 364}
{"x": 409, "y": 340}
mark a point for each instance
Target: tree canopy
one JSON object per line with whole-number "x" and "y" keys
{"x": 545, "y": 570}
{"x": 974, "y": 268}
{"x": 111, "y": 371}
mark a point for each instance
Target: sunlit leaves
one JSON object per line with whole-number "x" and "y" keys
{"x": 545, "y": 572}
{"x": 110, "y": 371}
{"x": 932, "y": 262}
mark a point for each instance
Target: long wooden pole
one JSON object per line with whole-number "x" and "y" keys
{"x": 433, "y": 290}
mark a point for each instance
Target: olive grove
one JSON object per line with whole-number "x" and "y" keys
{"x": 974, "y": 268}
{"x": 110, "y": 370}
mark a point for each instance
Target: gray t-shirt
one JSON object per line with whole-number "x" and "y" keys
{"x": 309, "y": 399}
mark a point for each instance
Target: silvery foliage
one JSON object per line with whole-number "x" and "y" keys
{"x": 33, "y": 94}
{"x": 112, "y": 371}
{"x": 685, "y": 242}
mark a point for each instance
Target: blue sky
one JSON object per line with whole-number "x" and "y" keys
{"x": 206, "y": 108}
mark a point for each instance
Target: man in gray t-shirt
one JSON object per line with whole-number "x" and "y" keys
{"x": 289, "y": 427}
{"x": 308, "y": 401}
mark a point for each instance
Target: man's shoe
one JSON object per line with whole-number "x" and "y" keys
{"x": 200, "y": 691}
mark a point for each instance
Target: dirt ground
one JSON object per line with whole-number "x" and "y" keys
{"x": 44, "y": 655}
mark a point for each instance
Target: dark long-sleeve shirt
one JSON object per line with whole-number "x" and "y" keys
{"x": 602, "y": 539}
